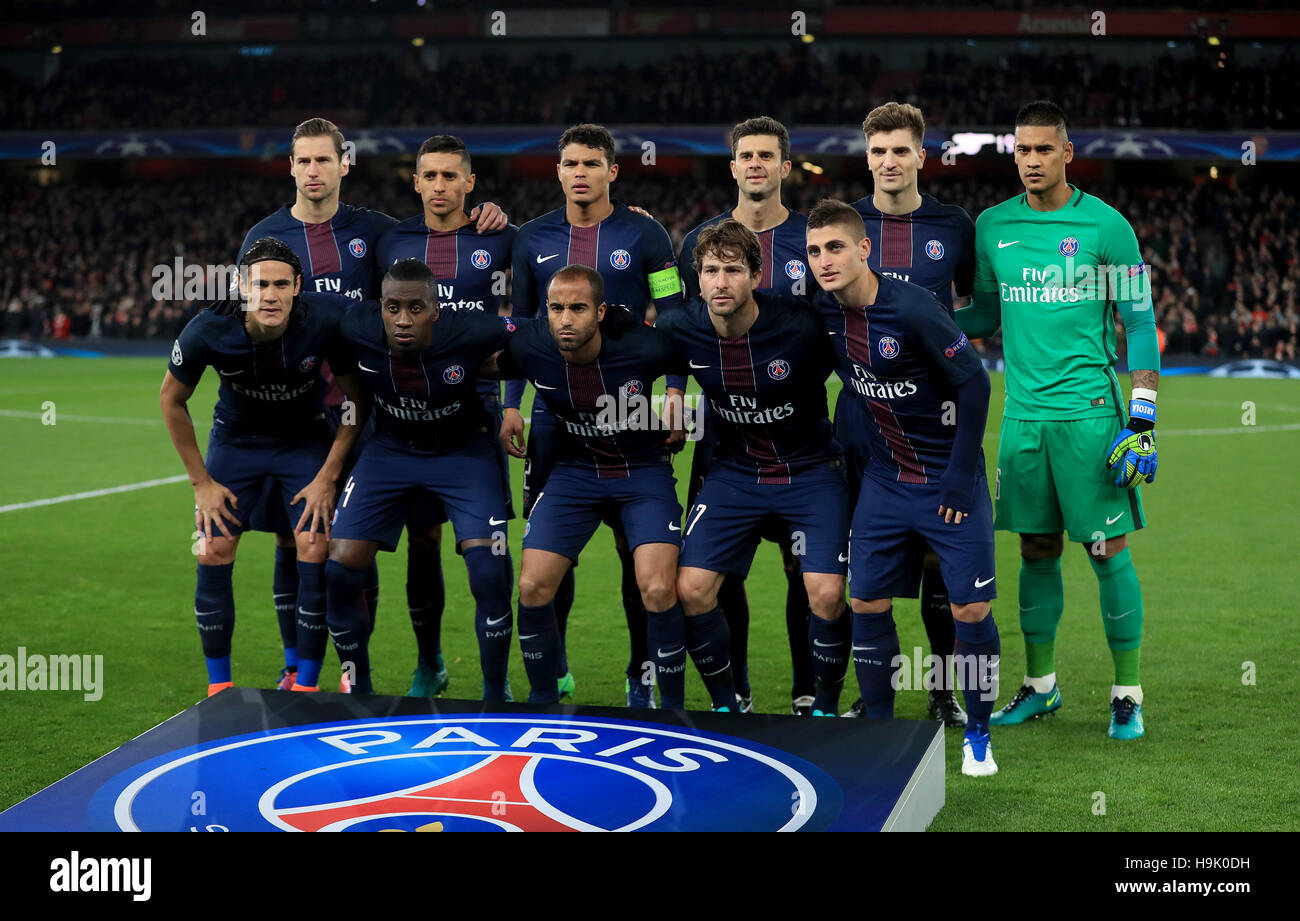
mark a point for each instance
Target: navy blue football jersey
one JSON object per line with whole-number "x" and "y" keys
{"x": 933, "y": 246}
{"x": 604, "y": 416}
{"x": 470, "y": 267}
{"x": 785, "y": 267}
{"x": 766, "y": 389}
{"x": 338, "y": 255}
{"x": 904, "y": 357}
{"x": 427, "y": 402}
{"x": 271, "y": 388}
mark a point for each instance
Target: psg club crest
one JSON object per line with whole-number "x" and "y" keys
{"x": 794, "y": 269}
{"x": 888, "y": 347}
{"x": 357, "y": 247}
{"x": 307, "y": 363}
{"x": 454, "y": 374}
{"x": 480, "y": 258}
{"x": 472, "y": 772}
{"x": 778, "y": 368}
{"x": 631, "y": 388}
{"x": 620, "y": 259}
{"x": 1069, "y": 246}
{"x": 934, "y": 249}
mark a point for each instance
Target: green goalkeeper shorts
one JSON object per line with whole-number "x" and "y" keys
{"x": 1052, "y": 477}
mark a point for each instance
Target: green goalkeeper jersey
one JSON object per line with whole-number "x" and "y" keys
{"x": 1058, "y": 275}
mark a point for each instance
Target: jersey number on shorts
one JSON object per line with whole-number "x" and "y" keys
{"x": 696, "y": 514}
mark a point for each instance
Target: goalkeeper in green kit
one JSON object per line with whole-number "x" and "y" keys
{"x": 1052, "y": 266}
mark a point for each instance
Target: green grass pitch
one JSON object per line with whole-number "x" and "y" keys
{"x": 114, "y": 575}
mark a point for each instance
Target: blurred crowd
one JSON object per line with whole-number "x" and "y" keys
{"x": 1223, "y": 260}
{"x": 1190, "y": 92}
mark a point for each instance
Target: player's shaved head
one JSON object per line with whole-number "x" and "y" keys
{"x": 575, "y": 305}
{"x": 832, "y": 211}
{"x": 583, "y": 273}
{"x": 409, "y": 306}
{"x": 411, "y": 270}
{"x": 1042, "y": 113}
{"x": 729, "y": 241}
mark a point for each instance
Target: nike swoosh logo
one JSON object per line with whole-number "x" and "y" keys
{"x": 979, "y": 584}
{"x": 674, "y": 527}
{"x": 1032, "y": 607}
{"x": 1115, "y": 519}
{"x": 671, "y": 652}
{"x": 493, "y": 623}
{"x": 1002, "y": 245}
{"x": 1054, "y": 698}
{"x": 541, "y": 259}
{"x": 231, "y": 373}
{"x": 496, "y": 521}
{"x": 844, "y": 558}
{"x": 543, "y": 386}
{"x": 198, "y": 613}
{"x": 364, "y": 368}
{"x": 831, "y": 332}
{"x": 698, "y": 367}
{"x": 862, "y": 648}
{"x": 1110, "y": 616}
{"x": 340, "y": 633}
{"x": 529, "y": 636}
{"x": 824, "y": 645}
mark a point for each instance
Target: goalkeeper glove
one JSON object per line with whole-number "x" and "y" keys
{"x": 1133, "y": 453}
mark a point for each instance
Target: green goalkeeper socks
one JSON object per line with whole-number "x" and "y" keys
{"x": 1121, "y": 611}
{"x": 1042, "y": 600}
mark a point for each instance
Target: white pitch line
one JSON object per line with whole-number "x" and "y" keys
{"x": 94, "y": 493}
{"x": 65, "y": 417}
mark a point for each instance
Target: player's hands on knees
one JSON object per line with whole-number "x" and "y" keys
{"x": 210, "y": 500}
{"x": 319, "y": 510}
{"x": 956, "y": 496}
{"x": 512, "y": 433}
{"x": 488, "y": 217}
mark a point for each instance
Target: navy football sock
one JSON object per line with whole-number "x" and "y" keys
{"x": 634, "y": 613}
{"x": 284, "y": 586}
{"x": 875, "y": 644}
{"x": 796, "y": 628}
{"x": 936, "y": 614}
{"x": 214, "y": 612}
{"x": 348, "y": 622}
{"x": 311, "y": 628}
{"x": 539, "y": 641}
{"x": 978, "y": 651}
{"x": 490, "y": 584}
{"x": 371, "y": 592}
{"x": 735, "y": 608}
{"x": 667, "y": 637}
{"x": 709, "y": 645}
{"x": 828, "y": 643}
{"x": 426, "y": 597}
{"x": 563, "y": 605}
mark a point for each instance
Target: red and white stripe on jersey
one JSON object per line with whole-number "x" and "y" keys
{"x": 765, "y": 240}
{"x": 408, "y": 375}
{"x": 737, "y": 362}
{"x": 269, "y": 362}
{"x": 584, "y": 246}
{"x": 857, "y": 339}
{"x": 322, "y": 249}
{"x": 896, "y": 240}
{"x": 441, "y": 255}
{"x": 586, "y": 387}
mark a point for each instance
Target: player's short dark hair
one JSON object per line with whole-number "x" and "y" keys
{"x": 411, "y": 270}
{"x": 1042, "y": 113}
{"x": 585, "y": 272}
{"x": 894, "y": 115}
{"x": 318, "y": 128}
{"x": 728, "y": 239}
{"x": 270, "y": 249}
{"x": 764, "y": 125}
{"x": 589, "y": 135}
{"x": 444, "y": 143}
{"x": 830, "y": 211}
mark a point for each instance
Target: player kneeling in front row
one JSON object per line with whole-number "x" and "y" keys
{"x": 901, "y": 354}
{"x": 593, "y": 366}
{"x": 762, "y": 362}
{"x": 432, "y": 435}
{"x": 269, "y": 440}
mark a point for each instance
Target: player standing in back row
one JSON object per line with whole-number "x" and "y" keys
{"x": 921, "y": 240}
{"x": 1052, "y": 267}
{"x": 634, "y": 255}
